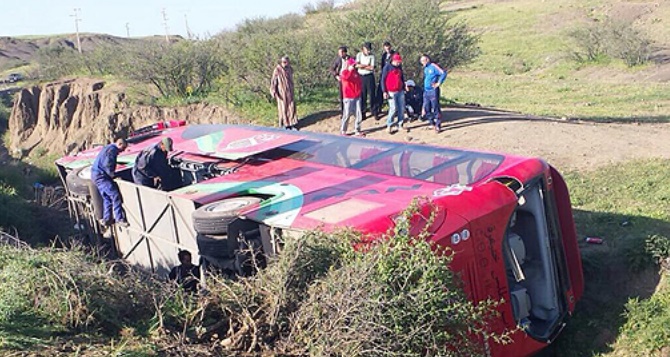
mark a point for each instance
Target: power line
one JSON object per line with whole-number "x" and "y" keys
{"x": 188, "y": 30}
{"x": 77, "y": 11}
{"x": 165, "y": 24}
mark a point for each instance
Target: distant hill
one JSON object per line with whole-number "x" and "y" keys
{"x": 17, "y": 51}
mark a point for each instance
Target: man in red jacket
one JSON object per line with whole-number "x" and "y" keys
{"x": 351, "y": 96}
{"x": 393, "y": 87}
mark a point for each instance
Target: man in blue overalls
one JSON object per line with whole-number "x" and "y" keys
{"x": 102, "y": 173}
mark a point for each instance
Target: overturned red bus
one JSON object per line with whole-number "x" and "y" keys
{"x": 508, "y": 218}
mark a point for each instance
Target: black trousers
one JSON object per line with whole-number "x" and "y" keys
{"x": 368, "y": 93}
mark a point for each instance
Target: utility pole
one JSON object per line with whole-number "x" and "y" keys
{"x": 188, "y": 30}
{"x": 77, "y": 11}
{"x": 165, "y": 24}
{"x": 128, "y": 29}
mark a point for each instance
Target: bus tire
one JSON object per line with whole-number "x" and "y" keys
{"x": 214, "y": 218}
{"x": 217, "y": 246}
{"x": 77, "y": 183}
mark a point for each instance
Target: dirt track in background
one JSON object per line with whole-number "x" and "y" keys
{"x": 568, "y": 145}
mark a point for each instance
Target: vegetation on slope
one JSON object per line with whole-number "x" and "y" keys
{"x": 530, "y": 59}
{"x": 398, "y": 296}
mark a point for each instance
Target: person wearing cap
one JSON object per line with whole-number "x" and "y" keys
{"x": 281, "y": 89}
{"x": 103, "y": 172}
{"x": 336, "y": 68}
{"x": 365, "y": 62}
{"x": 433, "y": 77}
{"x": 393, "y": 87}
{"x": 413, "y": 99}
{"x": 151, "y": 167}
{"x": 351, "y": 97}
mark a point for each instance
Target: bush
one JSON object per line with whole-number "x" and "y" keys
{"x": 397, "y": 298}
{"x": 646, "y": 329}
{"x": 413, "y": 27}
{"x": 57, "y": 61}
{"x": 322, "y": 297}
{"x": 319, "y": 6}
{"x": 609, "y": 38}
{"x": 659, "y": 247}
{"x": 71, "y": 292}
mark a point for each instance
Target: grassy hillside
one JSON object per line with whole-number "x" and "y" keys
{"x": 527, "y": 64}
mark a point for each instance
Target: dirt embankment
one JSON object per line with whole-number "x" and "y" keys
{"x": 65, "y": 116}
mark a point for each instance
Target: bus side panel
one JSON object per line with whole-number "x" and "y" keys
{"x": 160, "y": 226}
{"x": 569, "y": 233}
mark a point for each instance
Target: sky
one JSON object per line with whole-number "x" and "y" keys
{"x": 137, "y": 17}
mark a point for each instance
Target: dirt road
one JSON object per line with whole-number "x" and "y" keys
{"x": 568, "y": 145}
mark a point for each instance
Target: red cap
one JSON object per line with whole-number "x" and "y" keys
{"x": 396, "y": 57}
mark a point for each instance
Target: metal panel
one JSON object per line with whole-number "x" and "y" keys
{"x": 160, "y": 225}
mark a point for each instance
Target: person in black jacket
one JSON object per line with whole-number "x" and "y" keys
{"x": 413, "y": 99}
{"x": 187, "y": 274}
{"x": 339, "y": 64}
{"x": 151, "y": 167}
{"x": 385, "y": 59}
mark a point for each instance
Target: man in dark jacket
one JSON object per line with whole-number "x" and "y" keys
{"x": 102, "y": 174}
{"x": 385, "y": 59}
{"x": 339, "y": 64}
{"x": 413, "y": 99}
{"x": 151, "y": 165}
{"x": 187, "y": 274}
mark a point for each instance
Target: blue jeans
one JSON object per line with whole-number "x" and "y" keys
{"x": 431, "y": 107}
{"x": 350, "y": 107}
{"x": 111, "y": 199}
{"x": 396, "y": 108}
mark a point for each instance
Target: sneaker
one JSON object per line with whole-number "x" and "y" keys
{"x": 123, "y": 224}
{"x": 359, "y": 133}
{"x": 389, "y": 129}
{"x": 437, "y": 128}
{"x": 104, "y": 223}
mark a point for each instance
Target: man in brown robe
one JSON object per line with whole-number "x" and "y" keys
{"x": 281, "y": 89}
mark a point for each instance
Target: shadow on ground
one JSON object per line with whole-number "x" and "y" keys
{"x": 462, "y": 116}
{"x": 314, "y": 118}
{"x": 614, "y": 272}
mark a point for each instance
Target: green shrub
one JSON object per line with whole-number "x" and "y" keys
{"x": 413, "y": 27}
{"x": 646, "y": 329}
{"x": 323, "y": 297}
{"x": 399, "y": 297}
{"x": 659, "y": 247}
{"x": 609, "y": 38}
{"x": 319, "y": 6}
{"x": 15, "y": 213}
{"x": 71, "y": 292}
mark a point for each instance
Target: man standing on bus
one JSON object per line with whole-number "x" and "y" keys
{"x": 102, "y": 174}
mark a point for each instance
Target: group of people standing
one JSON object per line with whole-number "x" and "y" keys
{"x": 360, "y": 93}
